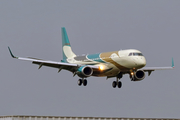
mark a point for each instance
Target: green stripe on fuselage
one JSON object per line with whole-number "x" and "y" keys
{"x": 95, "y": 57}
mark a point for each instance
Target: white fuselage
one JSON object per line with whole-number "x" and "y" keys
{"x": 117, "y": 61}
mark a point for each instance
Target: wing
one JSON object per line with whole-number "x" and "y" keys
{"x": 59, "y": 65}
{"x": 150, "y": 69}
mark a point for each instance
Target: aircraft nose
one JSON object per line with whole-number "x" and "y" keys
{"x": 142, "y": 61}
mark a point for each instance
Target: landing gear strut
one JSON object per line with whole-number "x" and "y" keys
{"x": 82, "y": 81}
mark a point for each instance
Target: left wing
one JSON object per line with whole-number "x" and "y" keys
{"x": 59, "y": 65}
{"x": 150, "y": 69}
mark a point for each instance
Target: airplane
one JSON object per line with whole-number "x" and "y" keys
{"x": 108, "y": 64}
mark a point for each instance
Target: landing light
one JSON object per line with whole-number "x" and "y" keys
{"x": 101, "y": 67}
{"x": 132, "y": 73}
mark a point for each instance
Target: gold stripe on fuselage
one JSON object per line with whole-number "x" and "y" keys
{"x": 107, "y": 57}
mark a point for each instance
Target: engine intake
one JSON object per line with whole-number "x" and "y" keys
{"x": 84, "y": 71}
{"x": 139, "y": 75}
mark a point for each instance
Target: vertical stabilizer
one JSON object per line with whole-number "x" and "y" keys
{"x": 66, "y": 47}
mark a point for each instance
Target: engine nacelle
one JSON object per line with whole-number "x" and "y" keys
{"x": 139, "y": 75}
{"x": 84, "y": 71}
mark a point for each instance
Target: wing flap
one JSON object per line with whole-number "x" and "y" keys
{"x": 46, "y": 64}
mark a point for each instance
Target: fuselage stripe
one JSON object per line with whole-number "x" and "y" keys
{"x": 95, "y": 57}
{"x": 107, "y": 57}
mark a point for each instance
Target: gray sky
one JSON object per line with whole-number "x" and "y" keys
{"x": 33, "y": 28}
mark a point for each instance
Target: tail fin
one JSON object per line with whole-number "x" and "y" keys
{"x": 66, "y": 47}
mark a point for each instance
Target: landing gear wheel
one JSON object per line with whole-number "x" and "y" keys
{"x": 119, "y": 84}
{"x": 84, "y": 82}
{"x": 80, "y": 82}
{"x": 114, "y": 84}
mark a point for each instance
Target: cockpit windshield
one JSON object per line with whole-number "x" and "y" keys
{"x": 135, "y": 54}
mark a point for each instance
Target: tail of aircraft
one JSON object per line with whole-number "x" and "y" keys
{"x": 66, "y": 47}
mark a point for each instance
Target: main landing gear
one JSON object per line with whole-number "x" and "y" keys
{"x": 114, "y": 84}
{"x": 82, "y": 81}
{"x": 117, "y": 83}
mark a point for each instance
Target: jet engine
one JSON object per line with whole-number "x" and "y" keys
{"x": 139, "y": 75}
{"x": 84, "y": 71}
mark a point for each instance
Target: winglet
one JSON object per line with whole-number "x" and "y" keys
{"x": 11, "y": 53}
{"x": 173, "y": 63}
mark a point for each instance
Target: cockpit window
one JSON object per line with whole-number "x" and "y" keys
{"x": 135, "y": 54}
{"x": 130, "y": 54}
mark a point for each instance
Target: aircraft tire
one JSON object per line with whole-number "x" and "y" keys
{"x": 119, "y": 84}
{"x": 114, "y": 84}
{"x": 84, "y": 82}
{"x": 80, "y": 82}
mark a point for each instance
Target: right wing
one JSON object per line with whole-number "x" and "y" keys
{"x": 59, "y": 65}
{"x": 150, "y": 69}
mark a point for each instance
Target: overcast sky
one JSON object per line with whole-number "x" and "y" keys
{"x": 33, "y": 28}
